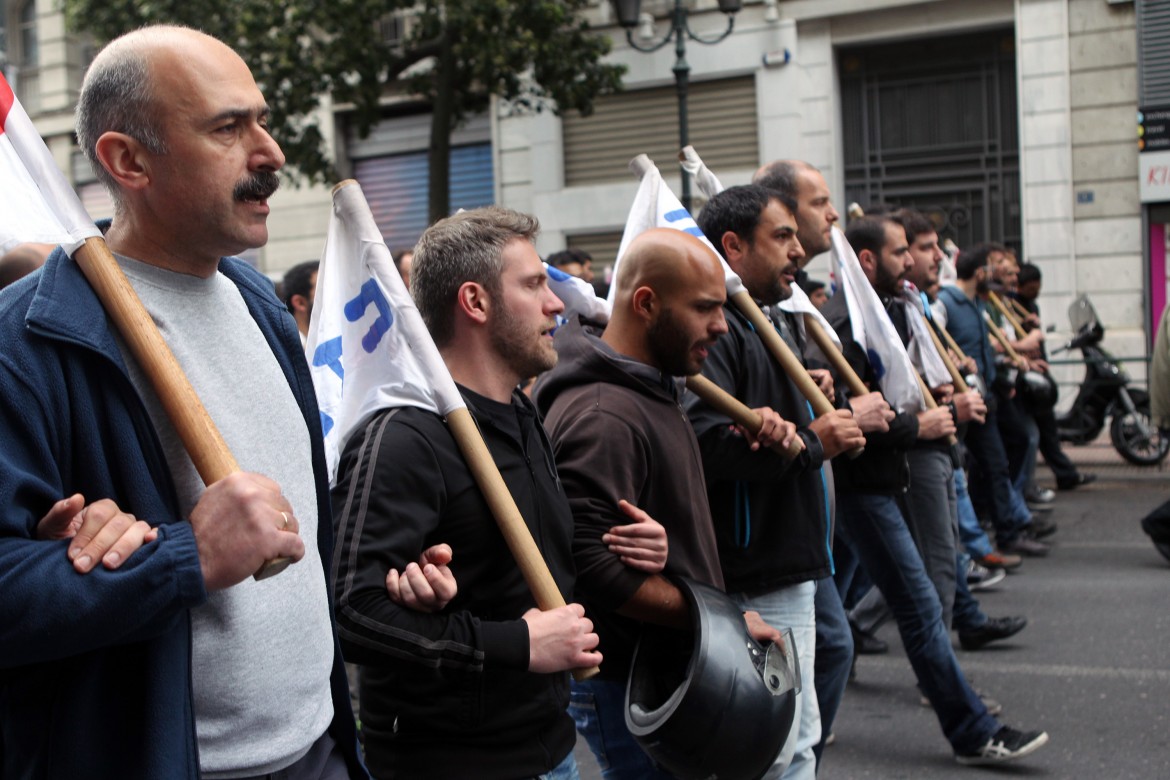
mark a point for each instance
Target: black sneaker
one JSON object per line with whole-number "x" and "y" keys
{"x": 1006, "y": 745}
{"x": 991, "y": 631}
{"x": 1076, "y": 482}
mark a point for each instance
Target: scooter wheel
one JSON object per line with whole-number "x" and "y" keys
{"x": 1125, "y": 431}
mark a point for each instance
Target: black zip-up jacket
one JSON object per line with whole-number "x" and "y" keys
{"x": 448, "y": 695}
{"x": 882, "y": 468}
{"x": 770, "y": 514}
{"x": 619, "y": 431}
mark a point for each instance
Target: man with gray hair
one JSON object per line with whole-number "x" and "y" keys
{"x": 478, "y": 688}
{"x": 176, "y": 664}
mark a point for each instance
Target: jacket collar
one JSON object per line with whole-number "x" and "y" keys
{"x": 65, "y": 306}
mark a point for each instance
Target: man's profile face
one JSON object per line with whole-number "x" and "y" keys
{"x": 927, "y": 255}
{"x": 895, "y": 261}
{"x": 209, "y": 192}
{"x": 689, "y": 320}
{"x": 815, "y": 214}
{"x": 1006, "y": 270}
{"x": 523, "y": 312}
{"x": 769, "y": 265}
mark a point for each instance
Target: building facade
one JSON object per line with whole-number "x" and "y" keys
{"x": 1008, "y": 120}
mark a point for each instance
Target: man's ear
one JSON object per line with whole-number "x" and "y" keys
{"x": 125, "y": 159}
{"x": 299, "y": 303}
{"x": 473, "y": 302}
{"x": 645, "y": 303}
{"x": 734, "y": 249}
{"x": 868, "y": 261}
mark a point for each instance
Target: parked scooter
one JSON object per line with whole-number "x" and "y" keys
{"x": 1105, "y": 393}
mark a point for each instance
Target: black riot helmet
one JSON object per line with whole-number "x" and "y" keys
{"x": 711, "y": 703}
{"x": 1037, "y": 389}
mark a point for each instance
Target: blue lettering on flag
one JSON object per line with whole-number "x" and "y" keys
{"x": 371, "y": 293}
{"x": 681, "y": 214}
{"x": 558, "y": 275}
{"x": 329, "y": 354}
{"x": 875, "y": 360}
{"x": 326, "y": 423}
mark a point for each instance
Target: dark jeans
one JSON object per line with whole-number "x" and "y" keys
{"x": 1062, "y": 468}
{"x": 967, "y": 615}
{"x": 323, "y": 762}
{"x": 878, "y": 536}
{"x": 833, "y": 657}
{"x": 992, "y": 490}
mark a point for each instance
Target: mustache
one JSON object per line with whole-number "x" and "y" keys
{"x": 258, "y": 186}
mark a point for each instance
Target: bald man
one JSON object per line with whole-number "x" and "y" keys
{"x": 612, "y": 408}
{"x": 176, "y": 664}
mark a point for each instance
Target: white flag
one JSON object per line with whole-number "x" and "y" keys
{"x": 37, "y": 205}
{"x": 873, "y": 330}
{"x": 578, "y": 296}
{"x": 656, "y": 206}
{"x": 368, "y": 347}
{"x": 921, "y": 349}
{"x": 798, "y": 302}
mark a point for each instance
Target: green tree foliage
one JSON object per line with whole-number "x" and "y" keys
{"x": 539, "y": 54}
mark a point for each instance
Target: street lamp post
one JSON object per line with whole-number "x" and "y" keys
{"x": 628, "y": 13}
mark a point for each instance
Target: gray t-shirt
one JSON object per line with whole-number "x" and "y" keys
{"x": 262, "y": 651}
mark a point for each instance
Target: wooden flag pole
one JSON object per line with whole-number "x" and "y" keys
{"x": 834, "y": 355}
{"x": 956, "y": 375}
{"x": 1014, "y": 321}
{"x": 784, "y": 356}
{"x": 1018, "y": 308}
{"x": 503, "y": 508}
{"x": 928, "y": 399}
{"x": 725, "y": 403}
{"x": 210, "y": 454}
{"x": 953, "y": 345}
{"x": 1002, "y": 339}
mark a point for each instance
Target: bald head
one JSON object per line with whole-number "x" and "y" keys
{"x": 664, "y": 260}
{"x": 121, "y": 93}
{"x": 668, "y": 303}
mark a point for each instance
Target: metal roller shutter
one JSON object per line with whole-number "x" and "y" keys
{"x": 1153, "y": 29}
{"x": 723, "y": 127}
{"x": 396, "y": 189}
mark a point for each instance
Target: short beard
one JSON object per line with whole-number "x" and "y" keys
{"x": 525, "y": 356}
{"x": 670, "y": 347}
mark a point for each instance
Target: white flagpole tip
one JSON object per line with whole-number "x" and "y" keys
{"x": 641, "y": 165}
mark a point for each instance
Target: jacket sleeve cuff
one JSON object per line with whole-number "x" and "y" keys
{"x": 813, "y": 456}
{"x": 505, "y": 644}
{"x": 188, "y": 572}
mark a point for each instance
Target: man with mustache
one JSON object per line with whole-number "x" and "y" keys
{"x": 612, "y": 407}
{"x": 176, "y": 663}
{"x": 478, "y": 688}
{"x": 770, "y": 515}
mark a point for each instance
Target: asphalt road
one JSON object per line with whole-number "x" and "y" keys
{"x": 1092, "y": 668}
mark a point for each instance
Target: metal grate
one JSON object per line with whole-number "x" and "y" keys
{"x": 933, "y": 125}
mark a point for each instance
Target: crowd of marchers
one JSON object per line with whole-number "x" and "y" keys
{"x": 135, "y": 642}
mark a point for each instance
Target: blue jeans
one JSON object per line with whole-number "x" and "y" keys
{"x": 971, "y": 534}
{"x": 793, "y": 607}
{"x": 834, "y": 657}
{"x": 598, "y": 709}
{"x": 566, "y": 770}
{"x": 878, "y": 535}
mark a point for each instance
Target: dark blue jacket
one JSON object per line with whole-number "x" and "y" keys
{"x": 966, "y": 326}
{"x": 95, "y": 670}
